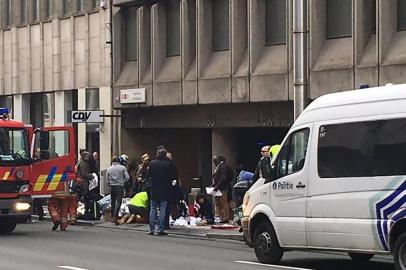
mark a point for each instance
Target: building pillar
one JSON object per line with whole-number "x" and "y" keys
{"x": 224, "y": 143}
{"x": 21, "y": 108}
{"x": 63, "y": 105}
{"x": 106, "y": 142}
{"x": 81, "y": 140}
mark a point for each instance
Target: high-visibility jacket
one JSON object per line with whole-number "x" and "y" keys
{"x": 139, "y": 200}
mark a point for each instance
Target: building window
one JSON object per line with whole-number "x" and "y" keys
{"x": 79, "y": 5}
{"x": 220, "y": 25}
{"x": 6, "y": 12}
{"x": 48, "y": 9}
{"x": 373, "y": 17}
{"x": 23, "y": 10}
{"x": 131, "y": 34}
{"x": 338, "y": 18}
{"x": 275, "y": 22}
{"x": 66, "y": 7}
{"x": 95, "y": 4}
{"x": 369, "y": 153}
{"x": 35, "y": 10}
{"x": 173, "y": 27}
{"x": 401, "y": 15}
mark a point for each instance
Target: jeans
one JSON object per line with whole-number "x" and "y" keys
{"x": 117, "y": 193}
{"x": 153, "y": 213}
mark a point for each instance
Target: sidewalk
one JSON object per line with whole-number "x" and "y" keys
{"x": 189, "y": 231}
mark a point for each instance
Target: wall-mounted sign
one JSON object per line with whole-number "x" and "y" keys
{"x": 132, "y": 96}
{"x": 87, "y": 116}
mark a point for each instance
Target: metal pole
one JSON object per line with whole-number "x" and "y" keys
{"x": 300, "y": 56}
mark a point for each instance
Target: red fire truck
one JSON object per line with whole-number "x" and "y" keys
{"x": 34, "y": 163}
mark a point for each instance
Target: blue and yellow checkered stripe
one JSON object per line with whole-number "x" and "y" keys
{"x": 51, "y": 180}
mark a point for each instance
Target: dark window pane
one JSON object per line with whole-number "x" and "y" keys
{"x": 49, "y": 9}
{"x": 79, "y": 5}
{"x": 338, "y": 18}
{"x": 23, "y": 10}
{"x": 6, "y": 11}
{"x": 363, "y": 149}
{"x": 220, "y": 25}
{"x": 66, "y": 7}
{"x": 131, "y": 34}
{"x": 401, "y": 15}
{"x": 275, "y": 22}
{"x": 373, "y": 16}
{"x": 35, "y": 10}
{"x": 172, "y": 27}
{"x": 95, "y": 4}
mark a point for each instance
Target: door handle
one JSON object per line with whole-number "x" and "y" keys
{"x": 300, "y": 185}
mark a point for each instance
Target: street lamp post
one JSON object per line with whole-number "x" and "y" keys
{"x": 300, "y": 56}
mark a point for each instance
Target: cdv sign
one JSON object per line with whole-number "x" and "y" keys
{"x": 87, "y": 116}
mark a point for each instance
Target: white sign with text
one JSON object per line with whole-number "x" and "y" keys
{"x": 87, "y": 116}
{"x": 132, "y": 96}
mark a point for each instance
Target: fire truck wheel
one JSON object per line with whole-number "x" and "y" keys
{"x": 7, "y": 227}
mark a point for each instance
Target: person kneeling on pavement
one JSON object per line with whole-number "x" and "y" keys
{"x": 204, "y": 209}
{"x": 138, "y": 208}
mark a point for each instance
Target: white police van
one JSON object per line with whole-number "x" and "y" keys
{"x": 338, "y": 182}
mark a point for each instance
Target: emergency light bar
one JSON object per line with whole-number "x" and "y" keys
{"x": 4, "y": 113}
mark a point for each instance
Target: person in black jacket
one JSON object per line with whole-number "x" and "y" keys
{"x": 161, "y": 173}
{"x": 263, "y": 169}
{"x": 222, "y": 177}
{"x": 205, "y": 209}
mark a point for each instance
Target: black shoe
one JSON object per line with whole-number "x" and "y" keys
{"x": 162, "y": 233}
{"x": 56, "y": 225}
{"x": 167, "y": 228}
{"x": 150, "y": 233}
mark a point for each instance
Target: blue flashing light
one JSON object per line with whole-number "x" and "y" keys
{"x": 364, "y": 86}
{"x": 4, "y": 112}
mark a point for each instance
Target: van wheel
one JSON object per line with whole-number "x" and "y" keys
{"x": 399, "y": 252}
{"x": 266, "y": 245}
{"x": 7, "y": 227}
{"x": 360, "y": 257}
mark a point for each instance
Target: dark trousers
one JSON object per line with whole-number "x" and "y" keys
{"x": 135, "y": 210}
{"x": 167, "y": 214}
{"x": 117, "y": 193}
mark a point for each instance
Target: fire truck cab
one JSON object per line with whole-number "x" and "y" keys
{"x": 34, "y": 163}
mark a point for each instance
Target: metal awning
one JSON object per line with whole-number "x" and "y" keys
{"x": 124, "y": 3}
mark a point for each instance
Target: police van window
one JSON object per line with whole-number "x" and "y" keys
{"x": 291, "y": 157}
{"x": 362, "y": 149}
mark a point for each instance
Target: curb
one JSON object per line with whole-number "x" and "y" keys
{"x": 236, "y": 237}
{"x": 140, "y": 228}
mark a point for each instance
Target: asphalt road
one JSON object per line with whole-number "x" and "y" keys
{"x": 35, "y": 246}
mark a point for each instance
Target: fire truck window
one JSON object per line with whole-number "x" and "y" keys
{"x": 13, "y": 146}
{"x": 58, "y": 143}
{"x": 58, "y": 146}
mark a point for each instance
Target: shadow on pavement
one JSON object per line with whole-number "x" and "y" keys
{"x": 337, "y": 264}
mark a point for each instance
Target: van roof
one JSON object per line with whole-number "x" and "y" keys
{"x": 329, "y": 102}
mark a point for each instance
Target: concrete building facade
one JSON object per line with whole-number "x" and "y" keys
{"x": 53, "y": 59}
{"x": 218, "y": 74}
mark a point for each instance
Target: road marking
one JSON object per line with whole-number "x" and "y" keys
{"x": 71, "y": 267}
{"x": 272, "y": 265}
